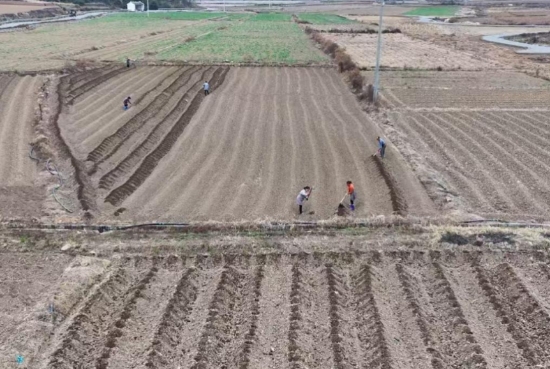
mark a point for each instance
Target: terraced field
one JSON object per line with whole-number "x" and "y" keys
{"x": 397, "y": 309}
{"x": 253, "y": 150}
{"x": 18, "y": 172}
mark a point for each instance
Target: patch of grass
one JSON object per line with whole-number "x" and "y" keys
{"x": 271, "y": 17}
{"x": 191, "y": 16}
{"x": 442, "y": 11}
{"x": 315, "y": 18}
{"x": 249, "y": 41}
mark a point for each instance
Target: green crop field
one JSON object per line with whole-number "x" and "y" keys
{"x": 249, "y": 41}
{"x": 314, "y": 18}
{"x": 271, "y": 17}
{"x": 442, "y": 11}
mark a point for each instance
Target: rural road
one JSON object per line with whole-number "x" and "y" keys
{"x": 63, "y": 19}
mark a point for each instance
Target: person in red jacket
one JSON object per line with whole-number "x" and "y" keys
{"x": 351, "y": 194}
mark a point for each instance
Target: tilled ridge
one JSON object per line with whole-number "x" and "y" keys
{"x": 217, "y": 329}
{"x": 111, "y": 143}
{"x": 294, "y": 356}
{"x": 370, "y": 325}
{"x": 526, "y": 320}
{"x": 87, "y": 326}
{"x": 168, "y": 333}
{"x": 250, "y": 337}
{"x": 458, "y": 337}
{"x": 399, "y": 205}
{"x": 119, "y": 194}
{"x": 150, "y": 142}
{"x": 115, "y": 331}
{"x": 407, "y": 282}
{"x": 78, "y": 79}
{"x": 90, "y": 85}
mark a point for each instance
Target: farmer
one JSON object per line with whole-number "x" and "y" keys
{"x": 303, "y": 196}
{"x": 128, "y": 62}
{"x": 381, "y": 147}
{"x": 127, "y": 102}
{"x": 206, "y": 88}
{"x": 351, "y": 194}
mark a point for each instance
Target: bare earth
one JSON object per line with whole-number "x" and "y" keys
{"x": 19, "y": 7}
{"x": 398, "y": 308}
{"x": 239, "y": 153}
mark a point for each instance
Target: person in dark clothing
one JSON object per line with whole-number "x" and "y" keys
{"x": 381, "y": 146}
{"x": 128, "y": 62}
{"x": 127, "y": 101}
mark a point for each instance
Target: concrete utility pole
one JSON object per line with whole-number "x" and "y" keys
{"x": 378, "y": 54}
{"x": 147, "y": 7}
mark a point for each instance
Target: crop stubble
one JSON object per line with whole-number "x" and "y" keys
{"x": 342, "y": 310}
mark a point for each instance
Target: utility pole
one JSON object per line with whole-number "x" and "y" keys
{"x": 378, "y": 54}
{"x": 147, "y": 8}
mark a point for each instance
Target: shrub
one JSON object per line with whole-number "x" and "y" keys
{"x": 344, "y": 61}
{"x": 356, "y": 79}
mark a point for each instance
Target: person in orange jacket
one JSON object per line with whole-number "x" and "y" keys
{"x": 351, "y": 194}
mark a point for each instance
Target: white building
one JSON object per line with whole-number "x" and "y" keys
{"x": 134, "y": 6}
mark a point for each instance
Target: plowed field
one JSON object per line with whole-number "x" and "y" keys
{"x": 18, "y": 111}
{"x": 400, "y": 309}
{"x": 243, "y": 152}
{"x": 489, "y": 142}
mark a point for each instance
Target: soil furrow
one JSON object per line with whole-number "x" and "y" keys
{"x": 342, "y": 340}
{"x": 86, "y": 334}
{"x": 76, "y": 81}
{"x": 443, "y": 162}
{"x": 111, "y": 143}
{"x": 250, "y": 338}
{"x": 270, "y": 349}
{"x": 149, "y": 143}
{"x": 535, "y": 186}
{"x": 85, "y": 192}
{"x": 456, "y": 338}
{"x": 523, "y": 125}
{"x": 90, "y": 85}
{"x": 468, "y": 163}
{"x": 519, "y": 193}
{"x": 374, "y": 347}
{"x": 218, "y": 329}
{"x": 398, "y": 202}
{"x": 150, "y": 162}
{"x": 522, "y": 315}
{"x": 115, "y": 331}
{"x": 409, "y": 285}
{"x": 167, "y": 337}
{"x": 501, "y": 353}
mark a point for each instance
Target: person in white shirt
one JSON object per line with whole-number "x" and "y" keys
{"x": 303, "y": 196}
{"x": 206, "y": 88}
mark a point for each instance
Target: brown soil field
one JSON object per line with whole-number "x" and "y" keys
{"x": 400, "y": 308}
{"x": 485, "y": 146}
{"x": 403, "y": 52}
{"x": 459, "y": 80}
{"x": 20, "y": 7}
{"x": 235, "y": 154}
{"x": 19, "y": 194}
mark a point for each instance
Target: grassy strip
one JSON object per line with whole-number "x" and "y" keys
{"x": 271, "y": 17}
{"x": 442, "y": 11}
{"x": 314, "y": 18}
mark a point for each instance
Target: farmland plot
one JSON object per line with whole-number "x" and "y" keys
{"x": 396, "y": 309}
{"x": 18, "y": 172}
{"x": 401, "y": 51}
{"x": 496, "y": 160}
{"x": 253, "y": 149}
